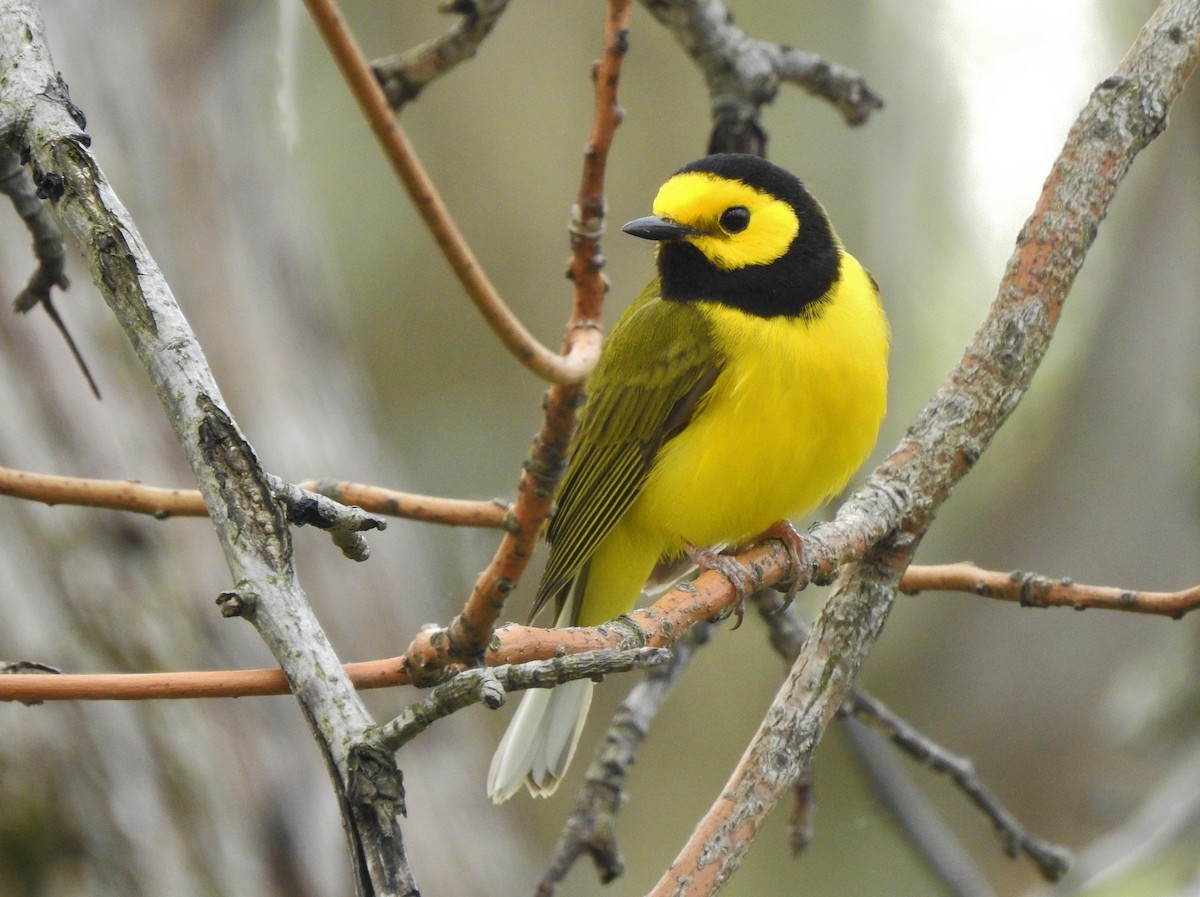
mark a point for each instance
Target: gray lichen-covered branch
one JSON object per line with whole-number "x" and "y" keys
{"x": 405, "y": 75}
{"x": 40, "y": 124}
{"x": 743, "y": 74}
{"x": 490, "y": 685}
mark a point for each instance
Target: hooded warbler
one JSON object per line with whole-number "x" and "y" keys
{"x": 746, "y": 384}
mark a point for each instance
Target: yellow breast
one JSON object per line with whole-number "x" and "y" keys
{"x": 794, "y": 412}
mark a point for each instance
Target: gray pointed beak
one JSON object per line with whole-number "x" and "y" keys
{"x": 654, "y": 227}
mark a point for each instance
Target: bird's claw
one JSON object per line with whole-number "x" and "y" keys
{"x": 743, "y": 580}
{"x": 798, "y": 555}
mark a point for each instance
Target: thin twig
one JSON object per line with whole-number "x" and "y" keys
{"x": 468, "y": 633}
{"x": 1035, "y": 590}
{"x": 920, "y": 822}
{"x": 48, "y": 247}
{"x": 1052, "y": 861}
{"x": 127, "y": 495}
{"x": 490, "y": 685}
{"x": 47, "y": 304}
{"x": 490, "y": 514}
{"x": 405, "y": 75}
{"x": 344, "y": 523}
{"x": 583, "y": 340}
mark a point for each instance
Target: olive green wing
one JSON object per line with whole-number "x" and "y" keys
{"x": 658, "y": 364}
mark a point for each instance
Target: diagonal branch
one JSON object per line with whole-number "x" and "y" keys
{"x": 583, "y": 339}
{"x": 1124, "y": 114}
{"x": 468, "y": 634}
{"x": 935, "y": 840}
{"x": 37, "y": 116}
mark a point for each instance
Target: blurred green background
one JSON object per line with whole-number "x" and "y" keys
{"x": 1073, "y": 719}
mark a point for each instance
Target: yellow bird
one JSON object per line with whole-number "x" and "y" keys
{"x": 745, "y": 385}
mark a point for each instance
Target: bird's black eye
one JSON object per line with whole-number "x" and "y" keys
{"x": 735, "y": 220}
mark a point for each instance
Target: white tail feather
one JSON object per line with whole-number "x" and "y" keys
{"x": 540, "y": 740}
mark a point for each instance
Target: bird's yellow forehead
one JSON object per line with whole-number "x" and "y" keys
{"x": 697, "y": 199}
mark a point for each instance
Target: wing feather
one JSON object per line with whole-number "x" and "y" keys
{"x": 658, "y": 364}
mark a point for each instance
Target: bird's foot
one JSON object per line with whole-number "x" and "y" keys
{"x": 743, "y": 579}
{"x": 797, "y": 554}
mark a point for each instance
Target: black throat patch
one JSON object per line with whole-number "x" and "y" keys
{"x": 792, "y": 285}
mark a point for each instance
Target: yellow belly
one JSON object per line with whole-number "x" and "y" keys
{"x": 793, "y": 414}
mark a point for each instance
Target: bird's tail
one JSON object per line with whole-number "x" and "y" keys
{"x": 540, "y": 740}
{"x": 543, "y": 734}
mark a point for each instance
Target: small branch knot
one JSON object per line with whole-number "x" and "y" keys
{"x": 235, "y": 603}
